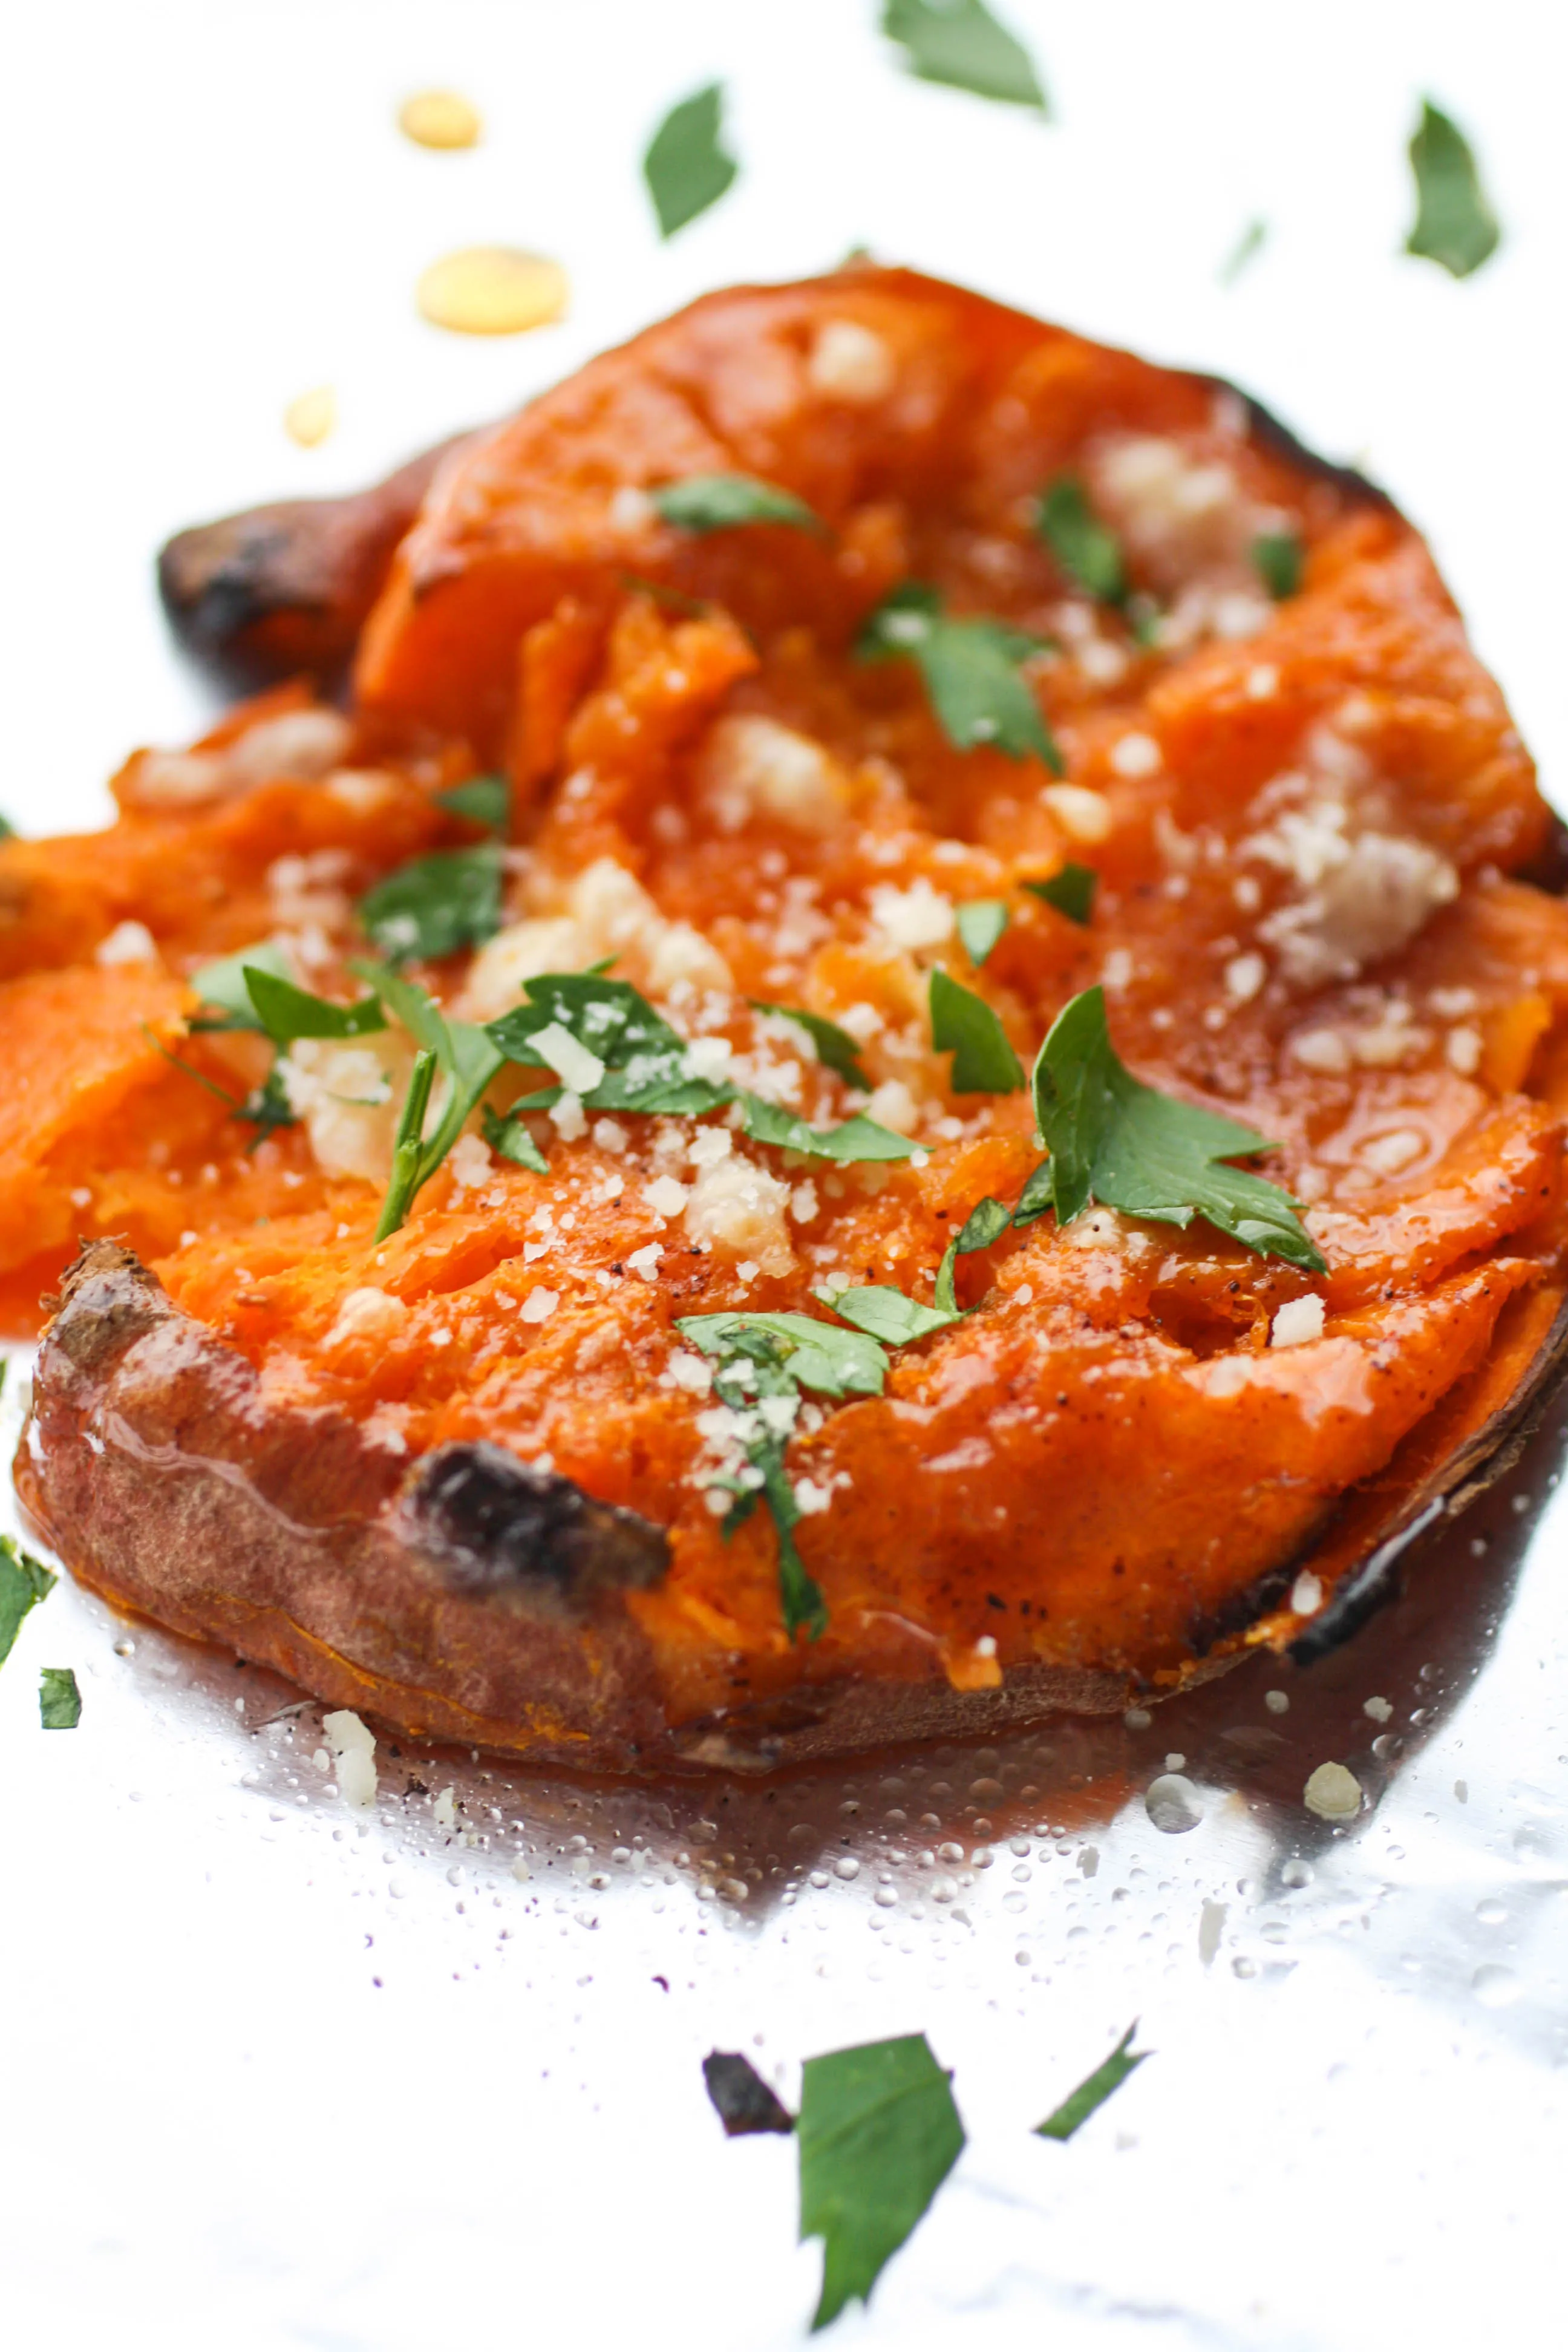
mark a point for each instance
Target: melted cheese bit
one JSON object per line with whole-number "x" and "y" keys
{"x": 441, "y": 119}
{"x": 492, "y": 289}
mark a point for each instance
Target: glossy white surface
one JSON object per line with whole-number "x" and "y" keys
{"x": 279, "y": 2075}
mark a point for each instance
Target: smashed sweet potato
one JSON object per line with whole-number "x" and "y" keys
{"x": 469, "y": 1474}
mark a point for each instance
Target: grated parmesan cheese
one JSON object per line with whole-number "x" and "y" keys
{"x": 352, "y": 1745}
{"x": 1297, "y": 1322}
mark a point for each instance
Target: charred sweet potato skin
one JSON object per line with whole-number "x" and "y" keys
{"x": 1026, "y": 1518}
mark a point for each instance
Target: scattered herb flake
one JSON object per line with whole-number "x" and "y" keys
{"x": 965, "y": 1026}
{"x": 767, "y": 1360}
{"x": 742, "y": 2100}
{"x": 7, "y": 830}
{"x": 1455, "y": 223}
{"x": 878, "y": 2134}
{"x": 467, "y": 1057}
{"x": 981, "y": 923}
{"x": 1094, "y": 2090}
{"x": 643, "y": 1059}
{"x": 858, "y": 1137}
{"x": 24, "y": 1583}
{"x": 686, "y": 167}
{"x": 285, "y": 1011}
{"x": 704, "y": 502}
{"x": 1070, "y": 890}
{"x": 1112, "y": 1138}
{"x": 889, "y": 1316}
{"x": 971, "y": 669}
{"x": 510, "y": 1140}
{"x": 1087, "y": 549}
{"x": 483, "y": 800}
{"x": 960, "y": 44}
{"x": 1247, "y": 248}
{"x": 436, "y": 905}
{"x": 223, "y": 983}
{"x": 836, "y": 1049}
{"x": 1277, "y": 557}
{"x": 60, "y": 1701}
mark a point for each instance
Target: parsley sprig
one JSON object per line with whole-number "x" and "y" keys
{"x": 1112, "y": 1138}
{"x": 972, "y": 669}
{"x": 763, "y": 1364}
{"x": 704, "y": 502}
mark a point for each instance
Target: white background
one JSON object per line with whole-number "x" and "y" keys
{"x": 215, "y": 2128}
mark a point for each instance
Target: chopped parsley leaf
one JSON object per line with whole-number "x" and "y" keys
{"x": 59, "y": 1700}
{"x": 836, "y": 1049}
{"x": 483, "y": 800}
{"x": 1087, "y": 549}
{"x": 223, "y": 984}
{"x": 971, "y": 668}
{"x": 464, "y": 1056}
{"x": 642, "y": 1061}
{"x": 1278, "y": 558}
{"x": 24, "y": 1583}
{"x": 889, "y": 1316}
{"x": 7, "y": 830}
{"x": 1094, "y": 2090}
{"x": 436, "y": 905}
{"x": 1455, "y": 223}
{"x": 859, "y": 1139}
{"x": 1247, "y": 248}
{"x": 965, "y": 1026}
{"x": 509, "y": 1139}
{"x": 1070, "y": 890}
{"x": 981, "y": 923}
{"x": 686, "y": 167}
{"x": 960, "y": 44}
{"x": 1114, "y": 1139}
{"x": 285, "y": 1011}
{"x": 878, "y": 2133}
{"x": 704, "y": 502}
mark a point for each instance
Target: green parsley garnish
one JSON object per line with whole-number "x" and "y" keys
{"x": 285, "y": 1011}
{"x": 1114, "y": 1139}
{"x": 1278, "y": 559}
{"x": 686, "y": 167}
{"x": 223, "y": 984}
{"x": 1070, "y": 890}
{"x": 763, "y": 1361}
{"x": 1455, "y": 223}
{"x": 981, "y": 923}
{"x": 964, "y": 1025}
{"x": 1087, "y": 549}
{"x": 960, "y": 44}
{"x": 971, "y": 669}
{"x": 7, "y": 830}
{"x": 466, "y": 1056}
{"x": 1094, "y": 2090}
{"x": 704, "y": 502}
{"x": 878, "y": 2133}
{"x": 483, "y": 800}
{"x": 643, "y": 1064}
{"x": 24, "y": 1583}
{"x": 890, "y": 1316}
{"x": 1247, "y": 248}
{"x": 859, "y": 1139}
{"x": 436, "y": 905}
{"x": 60, "y": 1701}
{"x": 836, "y": 1049}
{"x": 509, "y": 1139}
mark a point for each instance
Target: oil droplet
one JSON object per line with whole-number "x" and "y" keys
{"x": 1173, "y": 1804}
{"x": 439, "y": 118}
{"x": 492, "y": 289}
{"x": 1494, "y": 1985}
{"x": 312, "y": 417}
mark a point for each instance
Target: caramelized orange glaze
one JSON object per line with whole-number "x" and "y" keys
{"x": 1303, "y": 817}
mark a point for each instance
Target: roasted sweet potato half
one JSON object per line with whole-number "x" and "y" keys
{"x": 890, "y": 1077}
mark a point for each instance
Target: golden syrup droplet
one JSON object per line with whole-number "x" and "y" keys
{"x": 312, "y": 417}
{"x": 439, "y": 118}
{"x": 492, "y": 289}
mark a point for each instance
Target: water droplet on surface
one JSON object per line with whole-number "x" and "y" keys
{"x": 819, "y": 1878}
{"x": 887, "y": 1896}
{"x": 944, "y": 1890}
{"x": 846, "y": 1866}
{"x": 1494, "y": 1985}
{"x": 1492, "y": 1913}
{"x": 1173, "y": 1804}
{"x": 1278, "y": 1702}
{"x": 1296, "y": 1874}
{"x": 1137, "y": 1719}
{"x": 949, "y": 1852}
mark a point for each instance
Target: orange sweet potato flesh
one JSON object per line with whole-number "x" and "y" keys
{"x": 1303, "y": 817}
